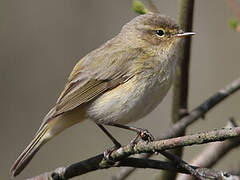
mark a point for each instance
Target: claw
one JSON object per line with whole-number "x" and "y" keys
{"x": 134, "y": 141}
{"x": 107, "y": 155}
{"x": 146, "y": 135}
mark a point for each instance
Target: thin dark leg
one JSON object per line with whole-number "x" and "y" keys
{"x": 143, "y": 133}
{"x": 107, "y": 153}
{"x": 115, "y": 142}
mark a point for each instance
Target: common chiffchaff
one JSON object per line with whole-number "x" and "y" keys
{"x": 121, "y": 81}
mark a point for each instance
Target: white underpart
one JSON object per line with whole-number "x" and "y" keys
{"x": 135, "y": 98}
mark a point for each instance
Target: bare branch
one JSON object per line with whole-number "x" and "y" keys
{"x": 180, "y": 86}
{"x": 235, "y": 7}
{"x": 98, "y": 162}
{"x": 178, "y": 161}
{"x": 141, "y": 163}
{"x": 152, "y": 6}
{"x": 235, "y": 22}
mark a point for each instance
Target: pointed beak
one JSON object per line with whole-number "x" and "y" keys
{"x": 183, "y": 34}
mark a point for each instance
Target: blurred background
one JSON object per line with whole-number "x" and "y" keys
{"x": 40, "y": 42}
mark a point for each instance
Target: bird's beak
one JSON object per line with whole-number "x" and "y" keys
{"x": 183, "y": 34}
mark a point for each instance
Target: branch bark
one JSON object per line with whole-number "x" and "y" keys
{"x": 144, "y": 163}
{"x": 141, "y": 163}
{"x": 180, "y": 86}
{"x": 152, "y": 6}
{"x": 98, "y": 162}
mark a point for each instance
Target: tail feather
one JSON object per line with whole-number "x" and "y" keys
{"x": 49, "y": 128}
{"x": 25, "y": 157}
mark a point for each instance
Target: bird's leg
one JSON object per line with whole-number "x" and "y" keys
{"x": 115, "y": 142}
{"x": 144, "y": 134}
{"x": 117, "y": 145}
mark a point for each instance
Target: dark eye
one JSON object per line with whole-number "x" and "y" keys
{"x": 160, "y": 32}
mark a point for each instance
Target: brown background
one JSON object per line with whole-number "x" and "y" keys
{"x": 40, "y": 41}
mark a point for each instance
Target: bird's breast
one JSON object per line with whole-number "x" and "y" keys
{"x": 133, "y": 99}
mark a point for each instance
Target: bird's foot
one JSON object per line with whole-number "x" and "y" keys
{"x": 144, "y": 135}
{"x": 107, "y": 154}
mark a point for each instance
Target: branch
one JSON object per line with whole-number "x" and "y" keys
{"x": 152, "y": 6}
{"x": 235, "y": 7}
{"x": 193, "y": 116}
{"x": 141, "y": 163}
{"x": 98, "y": 162}
{"x": 235, "y": 22}
{"x": 181, "y": 83}
{"x": 179, "y": 162}
{"x": 180, "y": 86}
{"x": 213, "y": 152}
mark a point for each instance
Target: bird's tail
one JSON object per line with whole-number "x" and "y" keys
{"x": 40, "y": 138}
{"x": 49, "y": 129}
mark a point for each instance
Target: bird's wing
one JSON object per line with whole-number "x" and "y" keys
{"x": 99, "y": 71}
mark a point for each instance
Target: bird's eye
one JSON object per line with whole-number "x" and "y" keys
{"x": 160, "y": 32}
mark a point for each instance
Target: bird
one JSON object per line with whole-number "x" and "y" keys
{"x": 120, "y": 82}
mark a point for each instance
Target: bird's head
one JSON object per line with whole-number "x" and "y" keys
{"x": 153, "y": 29}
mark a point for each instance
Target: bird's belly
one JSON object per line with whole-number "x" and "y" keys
{"x": 129, "y": 101}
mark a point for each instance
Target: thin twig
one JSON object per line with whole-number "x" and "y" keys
{"x": 152, "y": 6}
{"x": 179, "y": 162}
{"x": 194, "y": 115}
{"x": 235, "y": 7}
{"x": 155, "y": 164}
{"x": 143, "y": 147}
{"x": 236, "y": 10}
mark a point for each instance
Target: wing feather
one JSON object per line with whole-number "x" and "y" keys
{"x": 80, "y": 95}
{"x": 100, "y": 70}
